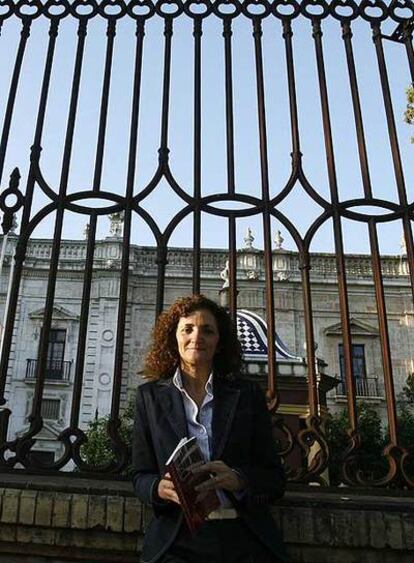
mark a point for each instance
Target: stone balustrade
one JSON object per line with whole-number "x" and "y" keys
{"x": 108, "y": 254}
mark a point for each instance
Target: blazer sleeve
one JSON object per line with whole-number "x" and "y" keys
{"x": 145, "y": 475}
{"x": 264, "y": 473}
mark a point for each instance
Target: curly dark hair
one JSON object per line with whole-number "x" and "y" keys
{"x": 162, "y": 357}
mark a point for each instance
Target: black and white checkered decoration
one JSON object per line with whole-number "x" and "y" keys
{"x": 250, "y": 340}
{"x": 252, "y": 333}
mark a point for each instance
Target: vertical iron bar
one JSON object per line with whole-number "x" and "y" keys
{"x": 2, "y": 256}
{"x": 407, "y": 38}
{"x": 57, "y": 236}
{"x": 270, "y": 302}
{"x": 339, "y": 249}
{"x": 384, "y": 334}
{"x": 392, "y": 131}
{"x": 304, "y": 258}
{"x": 161, "y": 261}
{"x": 83, "y": 325}
{"x": 168, "y": 33}
{"x": 395, "y": 150}
{"x": 399, "y": 178}
{"x": 227, "y": 34}
{"x": 73, "y": 104}
{"x": 25, "y": 33}
{"x": 126, "y": 243}
{"x": 23, "y": 239}
{"x": 362, "y": 151}
{"x": 111, "y": 32}
{"x": 293, "y": 106}
{"x": 163, "y": 156}
{"x": 373, "y": 236}
{"x": 313, "y": 395}
{"x": 9, "y": 284}
{"x": 197, "y": 33}
{"x": 90, "y": 248}
{"x": 232, "y": 270}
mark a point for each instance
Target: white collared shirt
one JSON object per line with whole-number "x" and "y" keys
{"x": 198, "y": 419}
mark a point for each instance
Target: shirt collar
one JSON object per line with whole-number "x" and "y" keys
{"x": 178, "y": 382}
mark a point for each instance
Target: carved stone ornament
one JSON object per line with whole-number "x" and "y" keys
{"x": 116, "y": 224}
{"x": 281, "y": 276}
{"x": 403, "y": 245}
{"x": 278, "y": 240}
{"x": 252, "y": 275}
{"x": 249, "y": 239}
{"x": 224, "y": 274}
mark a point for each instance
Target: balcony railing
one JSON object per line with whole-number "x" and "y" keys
{"x": 56, "y": 370}
{"x": 364, "y": 387}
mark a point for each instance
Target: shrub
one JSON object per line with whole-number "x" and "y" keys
{"x": 98, "y": 450}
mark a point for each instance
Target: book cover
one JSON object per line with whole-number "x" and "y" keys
{"x": 179, "y": 465}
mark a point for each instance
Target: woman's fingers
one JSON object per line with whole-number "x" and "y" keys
{"x": 166, "y": 489}
{"x": 215, "y": 467}
{"x": 221, "y": 477}
{"x": 214, "y": 482}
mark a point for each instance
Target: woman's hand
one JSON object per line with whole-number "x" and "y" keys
{"x": 166, "y": 489}
{"x": 222, "y": 477}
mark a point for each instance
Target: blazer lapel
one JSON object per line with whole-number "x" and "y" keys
{"x": 172, "y": 405}
{"x": 225, "y": 404}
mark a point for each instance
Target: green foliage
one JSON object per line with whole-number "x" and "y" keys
{"x": 406, "y": 427}
{"x": 370, "y": 460}
{"x": 406, "y": 421}
{"x": 374, "y": 438}
{"x": 408, "y": 389}
{"x": 409, "y": 111}
{"x": 97, "y": 450}
{"x": 406, "y": 434}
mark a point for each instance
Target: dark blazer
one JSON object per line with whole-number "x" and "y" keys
{"x": 241, "y": 437}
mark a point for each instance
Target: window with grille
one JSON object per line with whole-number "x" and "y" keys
{"x": 50, "y": 409}
{"x": 55, "y": 354}
{"x": 358, "y": 361}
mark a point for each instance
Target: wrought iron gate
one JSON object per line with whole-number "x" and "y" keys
{"x": 282, "y": 15}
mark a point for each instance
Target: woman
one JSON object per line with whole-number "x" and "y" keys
{"x": 195, "y": 390}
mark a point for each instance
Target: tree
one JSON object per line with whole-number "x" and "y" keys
{"x": 97, "y": 450}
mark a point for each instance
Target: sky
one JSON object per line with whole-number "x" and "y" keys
{"x": 163, "y": 203}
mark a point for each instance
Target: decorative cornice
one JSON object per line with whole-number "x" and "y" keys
{"x": 108, "y": 254}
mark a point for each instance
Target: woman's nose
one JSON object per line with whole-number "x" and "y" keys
{"x": 197, "y": 334}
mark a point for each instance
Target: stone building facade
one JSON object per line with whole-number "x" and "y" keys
{"x": 100, "y": 351}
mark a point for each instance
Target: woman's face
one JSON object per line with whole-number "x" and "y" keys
{"x": 197, "y": 338}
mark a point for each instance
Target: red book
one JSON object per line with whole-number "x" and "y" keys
{"x": 179, "y": 465}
